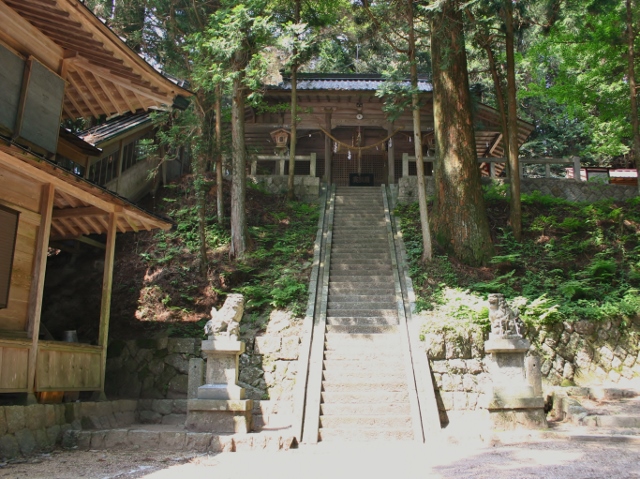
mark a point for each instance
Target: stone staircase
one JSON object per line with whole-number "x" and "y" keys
{"x": 365, "y": 393}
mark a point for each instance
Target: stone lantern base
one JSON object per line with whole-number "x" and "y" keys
{"x": 220, "y": 405}
{"x": 512, "y": 403}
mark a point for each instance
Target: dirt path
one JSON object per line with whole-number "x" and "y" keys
{"x": 540, "y": 458}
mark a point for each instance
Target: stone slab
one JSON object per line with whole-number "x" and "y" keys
{"x": 220, "y": 405}
{"x": 222, "y": 345}
{"x": 219, "y": 421}
{"x": 506, "y": 345}
{"x": 221, "y": 391}
{"x": 502, "y": 402}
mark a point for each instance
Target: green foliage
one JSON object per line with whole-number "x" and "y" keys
{"x": 576, "y": 261}
{"x": 282, "y": 282}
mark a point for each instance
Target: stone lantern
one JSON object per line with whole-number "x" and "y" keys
{"x": 281, "y": 138}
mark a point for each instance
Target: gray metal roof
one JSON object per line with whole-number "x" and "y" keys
{"x": 346, "y": 82}
{"x": 113, "y": 128}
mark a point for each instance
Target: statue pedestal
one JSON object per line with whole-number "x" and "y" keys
{"x": 220, "y": 405}
{"x": 511, "y": 402}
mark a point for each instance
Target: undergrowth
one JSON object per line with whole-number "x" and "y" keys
{"x": 576, "y": 261}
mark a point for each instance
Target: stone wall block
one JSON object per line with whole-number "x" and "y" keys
{"x": 179, "y": 406}
{"x": 150, "y": 417}
{"x": 54, "y": 433}
{"x": 116, "y": 438}
{"x": 174, "y": 441}
{"x": 435, "y": 346}
{"x": 49, "y": 415}
{"x": 9, "y": 447}
{"x": 34, "y": 416}
{"x": 182, "y": 345}
{"x": 198, "y": 441}
{"x": 178, "y": 387}
{"x": 15, "y": 418}
{"x": 267, "y": 344}
{"x": 439, "y": 366}
{"x": 3, "y": 422}
{"x": 289, "y": 348}
{"x": 162, "y": 406}
{"x": 42, "y": 440}
{"x": 26, "y": 441}
{"x": 629, "y": 361}
{"x": 179, "y": 362}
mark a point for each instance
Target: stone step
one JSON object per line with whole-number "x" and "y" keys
{"x": 612, "y": 421}
{"x": 366, "y": 305}
{"x": 379, "y": 409}
{"x": 359, "y": 240}
{"x": 351, "y": 256}
{"x": 373, "y": 270}
{"x": 392, "y": 364}
{"x": 362, "y": 313}
{"x": 362, "y": 265}
{"x": 376, "y": 434}
{"x": 352, "y": 279}
{"x": 364, "y": 387}
{"x": 363, "y": 375}
{"x": 359, "y": 249}
{"x": 351, "y": 321}
{"x": 359, "y": 353}
{"x": 346, "y": 287}
{"x": 365, "y": 398}
{"x": 363, "y": 329}
{"x": 360, "y": 421}
{"x": 336, "y": 340}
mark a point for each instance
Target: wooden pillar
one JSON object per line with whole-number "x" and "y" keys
{"x": 37, "y": 284}
{"x": 107, "y": 282}
{"x": 391, "y": 158}
{"x": 328, "y": 151}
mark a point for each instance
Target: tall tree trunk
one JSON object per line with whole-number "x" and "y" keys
{"x": 631, "y": 37}
{"x": 239, "y": 232}
{"x": 461, "y": 223}
{"x": 515, "y": 209}
{"x": 294, "y": 112}
{"x": 427, "y": 253}
{"x": 294, "y": 132}
{"x": 219, "y": 192}
{"x": 202, "y": 212}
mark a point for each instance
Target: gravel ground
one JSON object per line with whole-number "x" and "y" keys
{"x": 550, "y": 458}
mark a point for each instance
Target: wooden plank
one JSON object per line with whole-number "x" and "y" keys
{"x": 107, "y": 283}
{"x": 79, "y": 212}
{"x": 13, "y": 369}
{"x": 86, "y": 99}
{"x": 39, "y": 269}
{"x": 68, "y": 369}
{"x": 27, "y": 39}
{"x": 107, "y": 87}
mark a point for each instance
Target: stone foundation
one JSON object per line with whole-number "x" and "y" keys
{"x": 558, "y": 187}
{"x": 306, "y": 188}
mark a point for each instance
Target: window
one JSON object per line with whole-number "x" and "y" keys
{"x": 8, "y": 233}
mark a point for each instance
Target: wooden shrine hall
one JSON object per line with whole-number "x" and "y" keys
{"x": 59, "y": 62}
{"x": 342, "y": 122}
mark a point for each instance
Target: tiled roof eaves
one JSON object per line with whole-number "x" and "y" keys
{"x": 343, "y": 84}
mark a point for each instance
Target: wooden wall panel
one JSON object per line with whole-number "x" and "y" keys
{"x": 20, "y": 190}
{"x": 15, "y": 317}
{"x": 68, "y": 367}
{"x": 13, "y": 368}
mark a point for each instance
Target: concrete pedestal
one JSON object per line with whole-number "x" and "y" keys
{"x": 512, "y": 402}
{"x": 220, "y": 405}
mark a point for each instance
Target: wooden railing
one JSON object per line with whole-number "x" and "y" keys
{"x": 280, "y": 160}
{"x": 575, "y": 161}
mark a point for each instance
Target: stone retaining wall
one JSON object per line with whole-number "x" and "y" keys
{"x": 156, "y": 369}
{"x": 306, "y": 188}
{"x": 25, "y": 430}
{"x": 560, "y": 188}
{"x": 584, "y": 352}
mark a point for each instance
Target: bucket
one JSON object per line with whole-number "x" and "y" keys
{"x": 70, "y": 336}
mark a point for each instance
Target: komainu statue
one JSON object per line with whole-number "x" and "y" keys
{"x": 226, "y": 321}
{"x": 504, "y": 320}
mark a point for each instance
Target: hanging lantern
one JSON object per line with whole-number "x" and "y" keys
{"x": 281, "y": 138}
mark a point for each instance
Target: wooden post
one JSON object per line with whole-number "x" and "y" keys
{"x": 521, "y": 169}
{"x": 547, "y": 170}
{"x": 391, "y": 158}
{"x": 107, "y": 282}
{"x": 37, "y": 284}
{"x": 312, "y": 165}
{"x": 405, "y": 165}
{"x": 576, "y": 169}
{"x": 328, "y": 152}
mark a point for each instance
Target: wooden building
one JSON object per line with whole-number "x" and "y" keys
{"x": 59, "y": 61}
{"x": 342, "y": 121}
